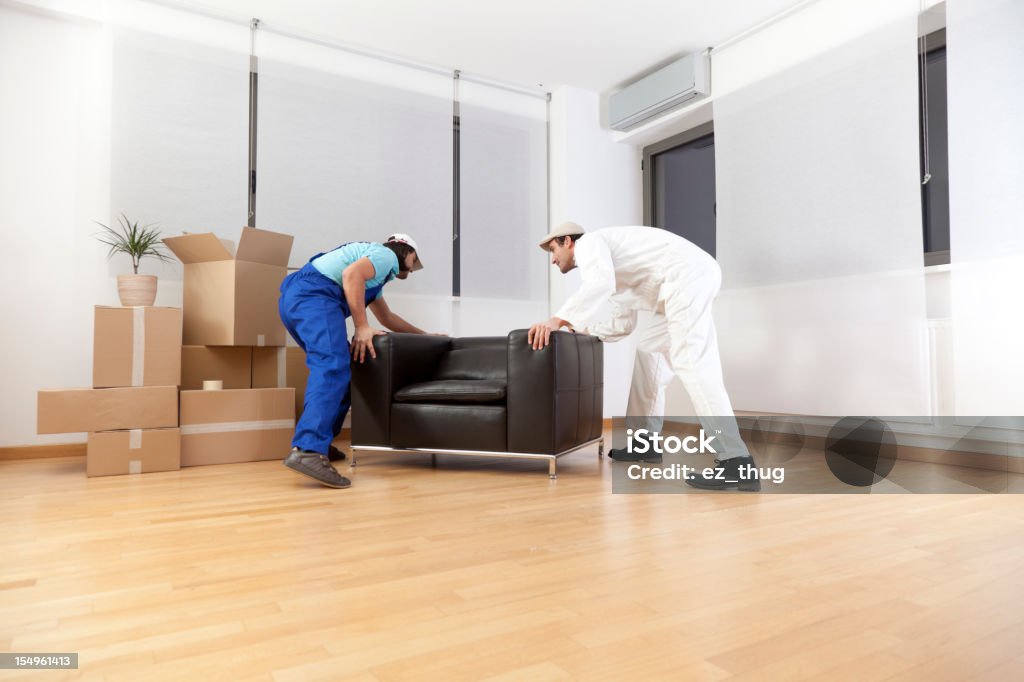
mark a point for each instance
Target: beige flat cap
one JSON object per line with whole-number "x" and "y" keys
{"x": 563, "y": 230}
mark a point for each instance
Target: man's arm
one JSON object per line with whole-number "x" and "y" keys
{"x": 621, "y": 325}
{"x": 390, "y": 319}
{"x": 353, "y": 281}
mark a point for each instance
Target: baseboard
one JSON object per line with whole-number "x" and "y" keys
{"x": 17, "y": 452}
{"x": 42, "y": 451}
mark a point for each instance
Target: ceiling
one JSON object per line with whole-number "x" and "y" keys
{"x": 597, "y": 45}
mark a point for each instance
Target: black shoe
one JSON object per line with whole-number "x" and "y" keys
{"x": 623, "y": 455}
{"x": 316, "y": 466}
{"x": 336, "y": 455}
{"x": 727, "y": 476}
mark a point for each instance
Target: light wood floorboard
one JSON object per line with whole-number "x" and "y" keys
{"x": 485, "y": 569}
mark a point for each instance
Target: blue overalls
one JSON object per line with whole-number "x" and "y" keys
{"x": 313, "y": 309}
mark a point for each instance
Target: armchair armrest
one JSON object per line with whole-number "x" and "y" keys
{"x": 555, "y": 396}
{"x": 402, "y": 359}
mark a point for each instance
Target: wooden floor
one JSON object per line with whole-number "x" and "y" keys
{"x": 482, "y": 569}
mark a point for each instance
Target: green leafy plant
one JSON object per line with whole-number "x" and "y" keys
{"x": 136, "y": 241}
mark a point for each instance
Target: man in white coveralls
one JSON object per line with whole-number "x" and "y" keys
{"x": 646, "y": 268}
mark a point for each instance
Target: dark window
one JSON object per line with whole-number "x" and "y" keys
{"x": 679, "y": 186}
{"x": 934, "y": 150}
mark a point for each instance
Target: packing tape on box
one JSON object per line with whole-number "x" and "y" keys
{"x": 134, "y": 439}
{"x": 226, "y": 427}
{"x": 261, "y": 340}
{"x": 282, "y": 367}
{"x": 135, "y": 466}
{"x": 138, "y": 345}
{"x": 213, "y": 384}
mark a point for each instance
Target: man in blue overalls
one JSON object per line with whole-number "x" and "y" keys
{"x": 314, "y": 304}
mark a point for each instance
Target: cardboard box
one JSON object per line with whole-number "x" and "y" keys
{"x": 138, "y": 451}
{"x": 136, "y": 347}
{"x": 74, "y": 410}
{"x": 281, "y": 368}
{"x": 230, "y": 299}
{"x": 245, "y": 425}
{"x": 230, "y": 364}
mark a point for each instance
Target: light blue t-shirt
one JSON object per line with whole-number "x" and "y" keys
{"x": 383, "y": 259}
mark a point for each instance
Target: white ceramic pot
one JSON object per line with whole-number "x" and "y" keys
{"x": 136, "y": 290}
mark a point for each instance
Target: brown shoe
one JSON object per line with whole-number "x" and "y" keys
{"x": 316, "y": 466}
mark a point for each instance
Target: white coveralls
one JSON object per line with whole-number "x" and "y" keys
{"x": 646, "y": 268}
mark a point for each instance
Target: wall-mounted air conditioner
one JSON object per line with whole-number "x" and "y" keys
{"x": 682, "y": 80}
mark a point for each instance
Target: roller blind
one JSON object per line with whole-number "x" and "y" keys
{"x": 354, "y": 149}
{"x": 179, "y": 121}
{"x": 503, "y": 193}
{"x": 817, "y": 162}
{"x": 819, "y": 213}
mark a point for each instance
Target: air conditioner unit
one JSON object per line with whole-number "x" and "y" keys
{"x": 680, "y": 81}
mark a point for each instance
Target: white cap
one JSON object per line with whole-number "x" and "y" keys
{"x": 563, "y": 230}
{"x": 403, "y": 238}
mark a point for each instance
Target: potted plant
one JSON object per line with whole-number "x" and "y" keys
{"x": 137, "y": 242}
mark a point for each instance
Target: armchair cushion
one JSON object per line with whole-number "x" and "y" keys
{"x": 452, "y": 391}
{"x": 480, "y": 357}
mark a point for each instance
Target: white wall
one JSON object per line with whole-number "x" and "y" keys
{"x": 595, "y": 182}
{"x": 53, "y": 183}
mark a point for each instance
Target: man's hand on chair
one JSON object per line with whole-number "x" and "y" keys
{"x": 540, "y": 334}
{"x": 362, "y": 342}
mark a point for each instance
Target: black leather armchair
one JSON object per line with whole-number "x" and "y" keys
{"x": 490, "y": 396}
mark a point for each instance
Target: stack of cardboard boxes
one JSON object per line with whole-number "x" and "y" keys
{"x": 131, "y": 412}
{"x": 228, "y": 331}
{"x": 233, "y": 334}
